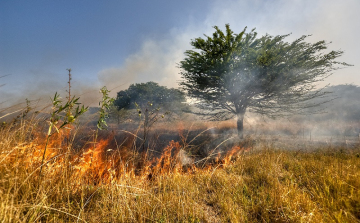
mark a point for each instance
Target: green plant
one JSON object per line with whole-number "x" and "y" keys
{"x": 105, "y": 104}
{"x": 59, "y": 120}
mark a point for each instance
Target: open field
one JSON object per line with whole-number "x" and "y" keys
{"x": 191, "y": 174}
{"x": 179, "y": 111}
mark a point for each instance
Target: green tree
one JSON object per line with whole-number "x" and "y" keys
{"x": 229, "y": 73}
{"x": 140, "y": 95}
{"x": 151, "y": 101}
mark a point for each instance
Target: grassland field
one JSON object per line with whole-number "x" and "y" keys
{"x": 188, "y": 172}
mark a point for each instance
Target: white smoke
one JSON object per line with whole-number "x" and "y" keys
{"x": 326, "y": 20}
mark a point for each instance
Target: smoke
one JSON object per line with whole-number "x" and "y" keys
{"x": 324, "y": 20}
{"x": 156, "y": 61}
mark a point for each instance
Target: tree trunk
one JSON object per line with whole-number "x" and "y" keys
{"x": 240, "y": 108}
{"x": 146, "y": 130}
{"x": 240, "y": 125}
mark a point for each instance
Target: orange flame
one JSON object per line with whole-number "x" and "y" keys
{"x": 101, "y": 163}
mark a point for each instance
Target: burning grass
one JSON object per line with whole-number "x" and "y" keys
{"x": 104, "y": 178}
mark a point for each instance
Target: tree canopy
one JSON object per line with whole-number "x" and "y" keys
{"x": 144, "y": 94}
{"x": 150, "y": 99}
{"x": 229, "y": 73}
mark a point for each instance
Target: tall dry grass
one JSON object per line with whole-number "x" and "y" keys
{"x": 262, "y": 185}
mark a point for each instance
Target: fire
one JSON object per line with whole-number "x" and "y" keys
{"x": 230, "y": 155}
{"x": 169, "y": 161}
{"x": 92, "y": 162}
{"x": 101, "y": 162}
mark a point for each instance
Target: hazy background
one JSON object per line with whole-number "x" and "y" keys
{"x": 117, "y": 43}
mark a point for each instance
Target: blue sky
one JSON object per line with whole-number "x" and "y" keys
{"x": 117, "y": 43}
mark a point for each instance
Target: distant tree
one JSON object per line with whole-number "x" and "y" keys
{"x": 229, "y": 73}
{"x": 150, "y": 93}
{"x": 151, "y": 101}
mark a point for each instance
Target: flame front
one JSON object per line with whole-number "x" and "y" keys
{"x": 101, "y": 163}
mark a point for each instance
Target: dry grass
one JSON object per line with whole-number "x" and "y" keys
{"x": 262, "y": 185}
